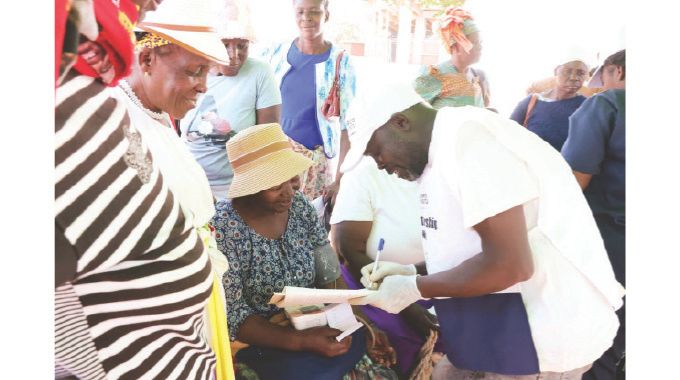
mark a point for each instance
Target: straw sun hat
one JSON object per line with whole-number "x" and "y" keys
{"x": 189, "y": 24}
{"x": 262, "y": 157}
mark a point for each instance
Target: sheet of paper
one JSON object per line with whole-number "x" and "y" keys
{"x": 292, "y": 295}
{"x": 318, "y": 206}
{"x": 341, "y": 317}
{"x": 305, "y": 317}
{"x": 349, "y": 331}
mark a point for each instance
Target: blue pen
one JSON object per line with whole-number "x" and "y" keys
{"x": 381, "y": 245}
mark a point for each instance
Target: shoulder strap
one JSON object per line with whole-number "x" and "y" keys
{"x": 483, "y": 85}
{"x": 476, "y": 73}
{"x": 530, "y": 107}
{"x": 337, "y": 65}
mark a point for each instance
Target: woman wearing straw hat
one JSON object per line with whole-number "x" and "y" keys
{"x": 454, "y": 83}
{"x": 272, "y": 238}
{"x": 242, "y": 94}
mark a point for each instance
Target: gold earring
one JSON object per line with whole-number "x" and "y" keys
{"x": 146, "y": 74}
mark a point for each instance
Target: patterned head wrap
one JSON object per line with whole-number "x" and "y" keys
{"x": 150, "y": 40}
{"x": 454, "y": 27}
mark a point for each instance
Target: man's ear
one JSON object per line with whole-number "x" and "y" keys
{"x": 401, "y": 122}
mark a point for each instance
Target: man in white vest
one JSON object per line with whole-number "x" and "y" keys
{"x": 520, "y": 278}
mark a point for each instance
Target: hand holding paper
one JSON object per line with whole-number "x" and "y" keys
{"x": 338, "y": 316}
{"x": 322, "y": 340}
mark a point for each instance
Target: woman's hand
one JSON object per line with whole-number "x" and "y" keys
{"x": 420, "y": 320}
{"x": 381, "y": 350}
{"x": 331, "y": 192}
{"x": 322, "y": 341}
{"x": 95, "y": 56}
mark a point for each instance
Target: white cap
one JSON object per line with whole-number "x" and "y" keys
{"x": 370, "y": 110}
{"x": 573, "y": 53}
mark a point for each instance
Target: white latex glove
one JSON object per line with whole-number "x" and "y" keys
{"x": 385, "y": 268}
{"x": 394, "y": 295}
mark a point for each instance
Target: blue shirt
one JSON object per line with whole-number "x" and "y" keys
{"x": 597, "y": 146}
{"x": 330, "y": 130}
{"x": 298, "y": 94}
{"x": 549, "y": 120}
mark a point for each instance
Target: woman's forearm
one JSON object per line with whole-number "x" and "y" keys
{"x": 350, "y": 242}
{"x": 344, "y": 148}
{"x": 257, "y": 330}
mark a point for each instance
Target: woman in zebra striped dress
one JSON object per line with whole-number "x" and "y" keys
{"x": 134, "y": 272}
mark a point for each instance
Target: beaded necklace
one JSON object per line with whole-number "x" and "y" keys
{"x": 125, "y": 86}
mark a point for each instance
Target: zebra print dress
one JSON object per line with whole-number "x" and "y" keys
{"x": 133, "y": 309}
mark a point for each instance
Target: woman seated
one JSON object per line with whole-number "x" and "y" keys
{"x": 455, "y": 83}
{"x": 547, "y": 113}
{"x": 272, "y": 238}
{"x": 374, "y": 205}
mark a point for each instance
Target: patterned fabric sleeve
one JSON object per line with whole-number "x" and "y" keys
{"x": 317, "y": 234}
{"x": 347, "y": 87}
{"x": 273, "y": 55}
{"x": 427, "y": 86}
{"x": 226, "y": 229}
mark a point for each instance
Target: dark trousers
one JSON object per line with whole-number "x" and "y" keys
{"x": 610, "y": 365}
{"x": 277, "y": 364}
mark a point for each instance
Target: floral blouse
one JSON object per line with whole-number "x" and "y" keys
{"x": 259, "y": 266}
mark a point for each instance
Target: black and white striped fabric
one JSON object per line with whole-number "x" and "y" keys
{"x": 134, "y": 308}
